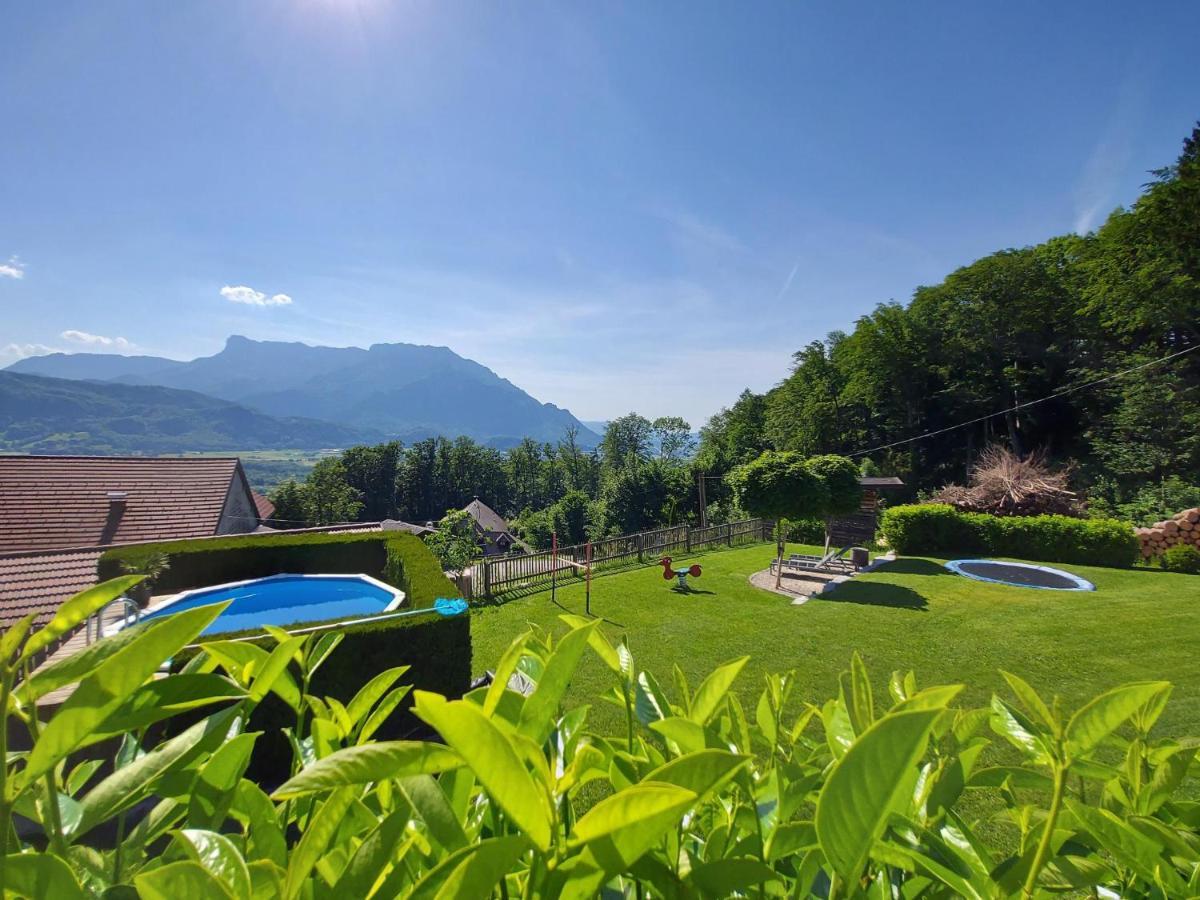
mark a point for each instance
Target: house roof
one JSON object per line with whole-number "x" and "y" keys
{"x": 263, "y": 504}
{"x": 52, "y": 502}
{"x": 40, "y": 582}
{"x": 880, "y": 481}
{"x": 486, "y": 517}
{"x": 398, "y": 525}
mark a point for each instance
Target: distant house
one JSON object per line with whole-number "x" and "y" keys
{"x": 58, "y": 513}
{"x": 397, "y": 525}
{"x": 491, "y": 531}
{"x": 263, "y": 506}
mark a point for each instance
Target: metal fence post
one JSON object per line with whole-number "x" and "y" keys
{"x": 687, "y": 538}
{"x": 487, "y": 578}
{"x": 640, "y": 542}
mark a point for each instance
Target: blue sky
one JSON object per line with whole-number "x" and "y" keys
{"x": 645, "y": 206}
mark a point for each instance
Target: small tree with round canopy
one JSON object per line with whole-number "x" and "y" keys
{"x": 779, "y": 485}
{"x": 843, "y": 492}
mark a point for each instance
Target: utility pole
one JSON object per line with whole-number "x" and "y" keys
{"x": 703, "y": 502}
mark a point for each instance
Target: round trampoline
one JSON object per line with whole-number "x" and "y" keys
{"x": 1018, "y": 574}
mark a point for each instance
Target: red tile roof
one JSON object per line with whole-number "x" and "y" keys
{"x": 40, "y": 582}
{"x": 263, "y": 504}
{"x": 50, "y": 502}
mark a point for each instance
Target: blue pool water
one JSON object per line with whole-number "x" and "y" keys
{"x": 286, "y": 600}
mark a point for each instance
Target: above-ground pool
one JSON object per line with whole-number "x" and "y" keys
{"x": 1019, "y": 575}
{"x": 287, "y": 600}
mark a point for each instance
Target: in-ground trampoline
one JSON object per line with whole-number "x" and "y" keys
{"x": 1019, "y": 575}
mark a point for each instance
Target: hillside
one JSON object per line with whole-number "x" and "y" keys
{"x": 405, "y": 390}
{"x": 57, "y": 415}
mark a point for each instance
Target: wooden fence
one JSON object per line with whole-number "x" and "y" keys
{"x": 493, "y": 576}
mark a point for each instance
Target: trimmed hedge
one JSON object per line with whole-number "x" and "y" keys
{"x": 437, "y": 649}
{"x": 396, "y": 557}
{"x": 937, "y": 529}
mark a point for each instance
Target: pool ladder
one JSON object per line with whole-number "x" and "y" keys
{"x": 132, "y": 614}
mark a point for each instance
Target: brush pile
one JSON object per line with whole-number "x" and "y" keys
{"x": 1004, "y": 484}
{"x": 1181, "y": 528}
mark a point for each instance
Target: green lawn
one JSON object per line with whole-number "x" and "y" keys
{"x": 911, "y": 614}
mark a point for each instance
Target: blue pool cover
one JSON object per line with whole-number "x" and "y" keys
{"x": 447, "y": 606}
{"x": 286, "y": 600}
{"x": 1017, "y": 574}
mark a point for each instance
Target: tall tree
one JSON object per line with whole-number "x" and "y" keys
{"x": 674, "y": 437}
{"x": 371, "y": 470}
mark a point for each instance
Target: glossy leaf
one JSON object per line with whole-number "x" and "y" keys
{"x": 367, "y": 763}
{"x": 629, "y": 808}
{"x": 219, "y": 857}
{"x": 494, "y": 761}
{"x": 372, "y": 692}
{"x": 713, "y": 689}
{"x": 37, "y": 875}
{"x": 380, "y": 713}
{"x": 78, "y": 610}
{"x": 162, "y": 698}
{"x": 128, "y": 784}
{"x": 213, "y": 790}
{"x": 701, "y": 773}
{"x": 731, "y": 876}
{"x": 865, "y": 786}
{"x": 104, "y": 690}
{"x": 1029, "y": 698}
{"x": 432, "y": 805}
{"x": 321, "y": 828}
{"x": 541, "y": 707}
{"x": 181, "y": 879}
{"x": 472, "y": 872}
{"x": 1108, "y": 712}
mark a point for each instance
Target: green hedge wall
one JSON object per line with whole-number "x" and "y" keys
{"x": 438, "y": 650}
{"x": 398, "y": 558}
{"x": 940, "y": 530}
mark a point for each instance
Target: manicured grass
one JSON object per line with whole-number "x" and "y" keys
{"x": 912, "y": 614}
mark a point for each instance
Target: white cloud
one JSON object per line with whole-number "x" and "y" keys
{"x": 248, "y": 295}
{"x": 96, "y": 340}
{"x": 12, "y": 269}
{"x": 10, "y": 353}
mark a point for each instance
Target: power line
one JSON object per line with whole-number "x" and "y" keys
{"x": 1028, "y": 403}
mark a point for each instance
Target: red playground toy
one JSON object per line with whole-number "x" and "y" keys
{"x": 682, "y": 574}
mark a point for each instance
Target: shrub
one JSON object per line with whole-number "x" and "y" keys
{"x": 940, "y": 530}
{"x": 1181, "y": 558}
{"x": 398, "y": 558}
{"x": 436, "y": 650}
{"x": 700, "y": 799}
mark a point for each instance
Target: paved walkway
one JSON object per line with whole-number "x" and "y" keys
{"x": 797, "y": 587}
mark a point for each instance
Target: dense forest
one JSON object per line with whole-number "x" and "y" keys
{"x": 1029, "y": 348}
{"x": 1052, "y": 321}
{"x": 640, "y": 475}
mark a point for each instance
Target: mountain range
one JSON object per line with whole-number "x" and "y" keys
{"x": 407, "y": 391}
{"x": 59, "y": 415}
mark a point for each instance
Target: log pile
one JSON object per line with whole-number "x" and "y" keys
{"x": 1181, "y": 528}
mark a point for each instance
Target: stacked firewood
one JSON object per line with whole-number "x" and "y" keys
{"x": 1181, "y": 528}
